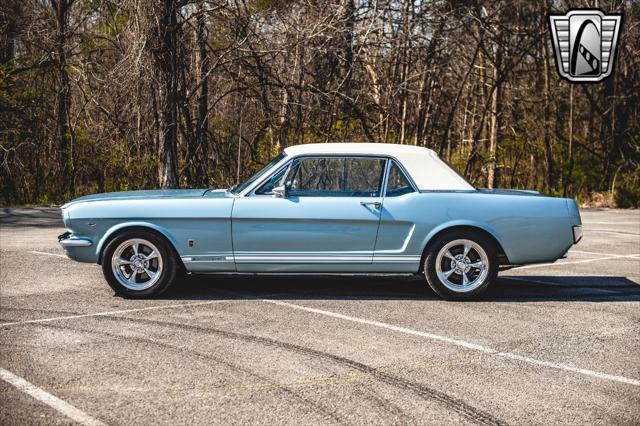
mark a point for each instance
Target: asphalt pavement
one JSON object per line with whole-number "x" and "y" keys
{"x": 552, "y": 344}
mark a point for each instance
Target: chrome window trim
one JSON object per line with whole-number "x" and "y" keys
{"x": 286, "y": 162}
{"x": 404, "y": 172}
{"x": 266, "y": 176}
{"x": 385, "y": 180}
{"x": 252, "y": 192}
{"x": 379, "y": 157}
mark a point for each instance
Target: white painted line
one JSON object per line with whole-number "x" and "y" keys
{"x": 45, "y": 397}
{"x": 605, "y": 231}
{"x": 49, "y": 254}
{"x": 384, "y": 325}
{"x": 123, "y": 311}
{"x": 594, "y": 252}
{"x": 62, "y": 256}
{"x": 541, "y": 265}
{"x": 461, "y": 343}
{"x": 611, "y": 223}
{"x": 565, "y": 367}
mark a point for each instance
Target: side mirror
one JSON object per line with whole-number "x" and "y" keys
{"x": 280, "y": 191}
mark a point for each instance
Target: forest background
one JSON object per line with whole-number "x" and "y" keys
{"x": 112, "y": 95}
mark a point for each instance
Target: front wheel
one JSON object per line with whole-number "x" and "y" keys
{"x": 139, "y": 264}
{"x": 460, "y": 265}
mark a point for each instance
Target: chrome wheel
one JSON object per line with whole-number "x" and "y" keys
{"x": 137, "y": 264}
{"x": 462, "y": 265}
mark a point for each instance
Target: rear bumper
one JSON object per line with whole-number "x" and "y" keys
{"x": 68, "y": 240}
{"x": 577, "y": 233}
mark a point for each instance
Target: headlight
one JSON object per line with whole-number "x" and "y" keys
{"x": 577, "y": 233}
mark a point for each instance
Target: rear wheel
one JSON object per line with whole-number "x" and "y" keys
{"x": 139, "y": 264}
{"x": 460, "y": 265}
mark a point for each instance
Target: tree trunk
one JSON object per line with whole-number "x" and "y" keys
{"x": 165, "y": 64}
{"x": 546, "y": 113}
{"x": 405, "y": 55}
{"x": 496, "y": 100}
{"x": 567, "y": 179}
{"x": 9, "y": 36}
{"x": 347, "y": 109}
{"x": 200, "y": 154}
{"x": 445, "y": 135}
{"x": 61, "y": 9}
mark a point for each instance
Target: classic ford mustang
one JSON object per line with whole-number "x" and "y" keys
{"x": 344, "y": 208}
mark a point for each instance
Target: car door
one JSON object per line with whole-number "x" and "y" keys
{"x": 396, "y": 250}
{"x": 327, "y": 221}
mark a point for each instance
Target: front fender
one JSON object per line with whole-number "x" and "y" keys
{"x": 107, "y": 235}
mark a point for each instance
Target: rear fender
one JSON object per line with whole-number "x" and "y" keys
{"x": 469, "y": 223}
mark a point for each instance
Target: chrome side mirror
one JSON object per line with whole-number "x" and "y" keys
{"x": 280, "y": 191}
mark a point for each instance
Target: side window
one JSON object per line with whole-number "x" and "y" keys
{"x": 398, "y": 183}
{"x": 267, "y": 187}
{"x": 336, "y": 177}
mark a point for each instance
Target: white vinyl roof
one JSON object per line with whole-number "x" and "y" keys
{"x": 423, "y": 164}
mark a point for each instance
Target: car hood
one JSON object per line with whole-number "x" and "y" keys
{"x": 148, "y": 194}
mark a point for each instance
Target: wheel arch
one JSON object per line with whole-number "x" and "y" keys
{"x": 485, "y": 230}
{"x": 160, "y": 231}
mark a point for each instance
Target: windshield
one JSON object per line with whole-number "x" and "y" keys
{"x": 236, "y": 189}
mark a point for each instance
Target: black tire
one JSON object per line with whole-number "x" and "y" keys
{"x": 444, "y": 289}
{"x": 169, "y": 266}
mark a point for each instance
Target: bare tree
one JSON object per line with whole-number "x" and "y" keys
{"x": 97, "y": 95}
{"x": 163, "y": 41}
{"x": 62, "y": 12}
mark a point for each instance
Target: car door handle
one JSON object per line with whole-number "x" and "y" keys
{"x": 375, "y": 204}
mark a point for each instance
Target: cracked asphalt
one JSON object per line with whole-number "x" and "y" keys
{"x": 552, "y": 344}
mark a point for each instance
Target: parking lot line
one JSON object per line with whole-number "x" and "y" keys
{"x": 610, "y": 223}
{"x": 592, "y": 252}
{"x": 52, "y": 401}
{"x": 123, "y": 311}
{"x": 48, "y": 254}
{"x": 462, "y": 343}
{"x": 540, "y": 265}
{"x": 62, "y": 256}
{"x": 606, "y": 231}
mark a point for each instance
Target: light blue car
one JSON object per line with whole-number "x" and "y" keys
{"x": 348, "y": 208}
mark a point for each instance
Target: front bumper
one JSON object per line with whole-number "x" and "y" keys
{"x": 68, "y": 240}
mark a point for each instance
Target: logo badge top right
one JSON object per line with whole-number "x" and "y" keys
{"x": 584, "y": 42}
